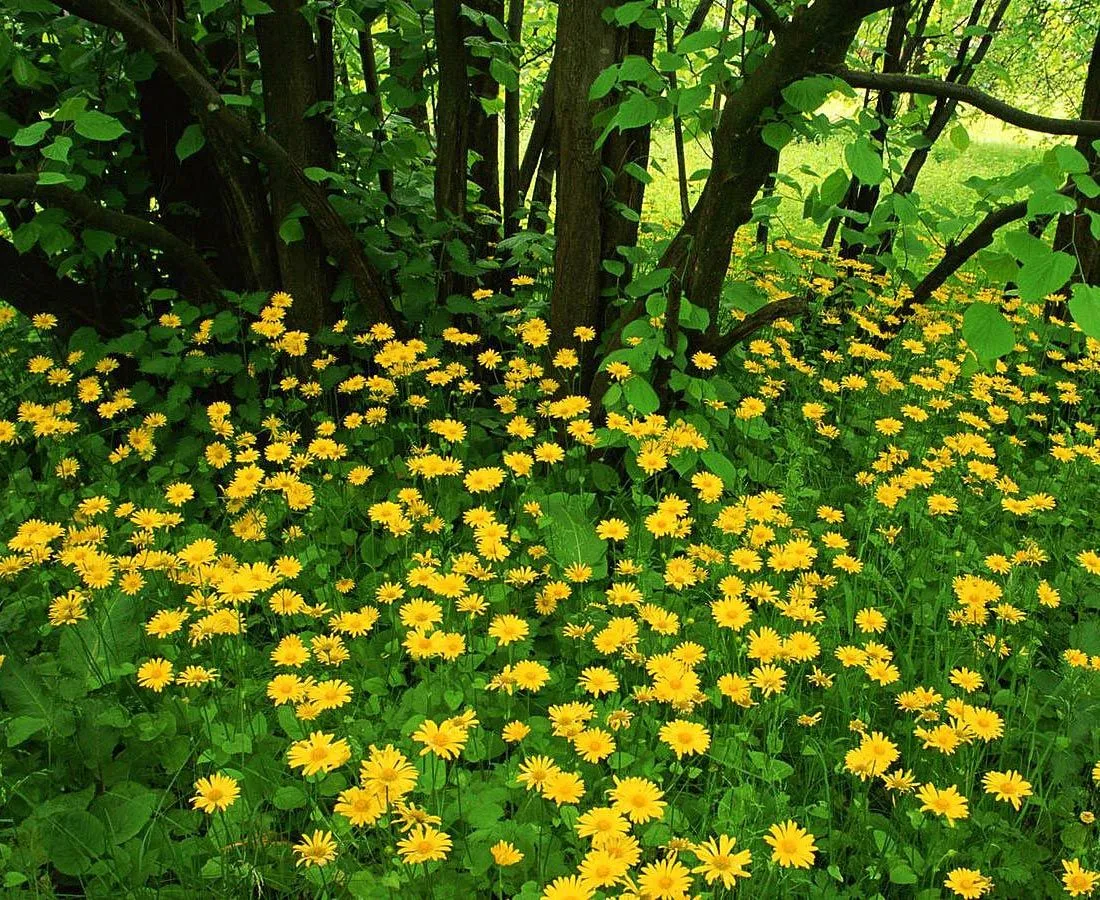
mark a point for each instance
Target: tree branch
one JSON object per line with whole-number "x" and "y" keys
{"x": 933, "y": 87}
{"x": 980, "y": 237}
{"x": 788, "y": 308}
{"x": 769, "y": 16}
{"x": 211, "y": 110}
{"x": 178, "y": 254}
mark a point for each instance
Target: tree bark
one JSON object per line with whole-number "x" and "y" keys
{"x": 374, "y": 99}
{"x": 511, "y": 201}
{"x": 620, "y": 217}
{"x": 483, "y": 128}
{"x": 586, "y": 46}
{"x": 178, "y": 255}
{"x": 1074, "y": 234}
{"x": 294, "y": 72}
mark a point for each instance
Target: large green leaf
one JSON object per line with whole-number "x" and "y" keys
{"x": 97, "y": 126}
{"x": 570, "y": 532}
{"x": 987, "y": 331}
{"x": 1085, "y": 309}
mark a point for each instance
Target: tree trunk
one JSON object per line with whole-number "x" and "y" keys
{"x": 942, "y": 113}
{"x": 374, "y": 95}
{"x": 585, "y": 46}
{"x": 864, "y": 197}
{"x": 452, "y": 127}
{"x": 511, "y": 202}
{"x": 1074, "y": 234}
{"x": 284, "y": 37}
{"x": 816, "y": 39}
{"x": 620, "y": 217}
{"x": 483, "y": 128}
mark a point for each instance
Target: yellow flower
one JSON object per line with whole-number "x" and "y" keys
{"x": 218, "y": 792}
{"x": 685, "y": 738}
{"x": 637, "y": 798}
{"x": 155, "y": 674}
{"x": 968, "y": 883}
{"x": 318, "y": 753}
{"x": 424, "y": 844}
{"x": 1009, "y": 787}
{"x": 948, "y": 803}
{"x": 1078, "y": 882}
{"x": 791, "y": 845}
{"x": 505, "y": 854}
{"x": 718, "y": 860}
{"x": 316, "y": 849}
{"x": 668, "y": 879}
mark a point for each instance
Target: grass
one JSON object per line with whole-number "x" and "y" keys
{"x": 993, "y": 151}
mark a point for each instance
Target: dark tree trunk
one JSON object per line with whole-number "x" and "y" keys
{"x": 542, "y": 135}
{"x": 374, "y": 98}
{"x": 1074, "y": 234}
{"x": 815, "y": 40}
{"x": 452, "y": 126}
{"x": 543, "y": 193}
{"x": 289, "y": 91}
{"x": 483, "y": 128}
{"x": 511, "y": 201}
{"x": 864, "y": 197}
{"x": 32, "y": 286}
{"x": 214, "y": 199}
{"x": 585, "y": 46}
{"x": 620, "y": 217}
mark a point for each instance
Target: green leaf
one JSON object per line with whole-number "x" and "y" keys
{"x": 865, "y": 161}
{"x": 52, "y": 178}
{"x": 604, "y": 82}
{"x": 960, "y": 138}
{"x": 58, "y": 151}
{"x": 1071, "y": 160}
{"x": 289, "y": 797}
{"x": 570, "y": 534}
{"x": 637, "y": 110}
{"x": 1045, "y": 274}
{"x": 32, "y": 134}
{"x": 74, "y": 840}
{"x": 97, "y": 126}
{"x": 22, "y": 728}
{"x": 640, "y": 394}
{"x": 777, "y": 134}
{"x": 1085, "y": 309}
{"x": 648, "y": 283}
{"x": 807, "y": 94}
{"x": 191, "y": 142}
{"x": 902, "y": 874}
{"x": 700, "y": 40}
{"x": 987, "y": 331}
{"x": 124, "y": 809}
{"x": 291, "y": 230}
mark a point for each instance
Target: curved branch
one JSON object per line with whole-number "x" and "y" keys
{"x": 788, "y": 308}
{"x": 210, "y": 108}
{"x": 178, "y": 254}
{"x": 964, "y": 93}
{"x": 980, "y": 237}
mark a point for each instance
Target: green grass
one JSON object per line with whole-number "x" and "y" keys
{"x": 992, "y": 152}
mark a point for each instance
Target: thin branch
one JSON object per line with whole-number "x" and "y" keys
{"x": 933, "y": 87}
{"x": 178, "y": 254}
{"x": 770, "y": 17}
{"x": 789, "y": 308}
{"x": 980, "y": 237}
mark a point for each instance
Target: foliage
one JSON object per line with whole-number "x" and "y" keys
{"x": 824, "y": 546}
